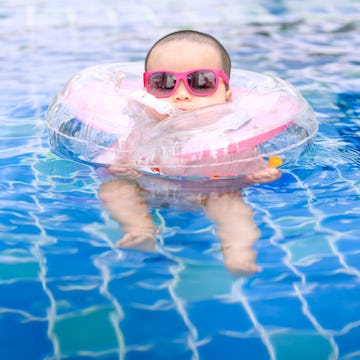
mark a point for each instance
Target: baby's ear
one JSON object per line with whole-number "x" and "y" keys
{"x": 228, "y": 94}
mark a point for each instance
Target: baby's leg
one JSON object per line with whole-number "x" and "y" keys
{"x": 124, "y": 201}
{"x": 236, "y": 229}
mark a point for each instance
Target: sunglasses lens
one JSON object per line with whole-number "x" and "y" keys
{"x": 202, "y": 82}
{"x": 161, "y": 83}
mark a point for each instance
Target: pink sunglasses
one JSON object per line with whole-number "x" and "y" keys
{"x": 201, "y": 82}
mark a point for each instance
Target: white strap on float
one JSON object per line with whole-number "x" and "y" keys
{"x": 144, "y": 98}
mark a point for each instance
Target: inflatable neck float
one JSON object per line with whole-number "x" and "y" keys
{"x": 102, "y": 117}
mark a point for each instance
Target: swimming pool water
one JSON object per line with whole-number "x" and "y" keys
{"x": 66, "y": 292}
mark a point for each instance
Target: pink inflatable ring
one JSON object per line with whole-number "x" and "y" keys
{"x": 102, "y": 117}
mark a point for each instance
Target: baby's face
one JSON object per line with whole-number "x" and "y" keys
{"x": 181, "y": 56}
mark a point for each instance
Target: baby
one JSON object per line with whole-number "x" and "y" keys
{"x": 189, "y": 70}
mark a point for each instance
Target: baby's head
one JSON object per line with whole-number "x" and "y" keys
{"x": 171, "y": 57}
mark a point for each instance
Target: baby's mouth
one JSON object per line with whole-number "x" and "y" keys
{"x": 184, "y": 108}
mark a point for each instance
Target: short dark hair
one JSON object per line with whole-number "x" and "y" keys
{"x": 195, "y": 36}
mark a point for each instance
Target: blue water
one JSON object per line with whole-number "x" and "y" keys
{"x": 66, "y": 292}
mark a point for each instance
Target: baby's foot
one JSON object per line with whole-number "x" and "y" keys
{"x": 240, "y": 261}
{"x": 140, "y": 240}
{"x": 266, "y": 175}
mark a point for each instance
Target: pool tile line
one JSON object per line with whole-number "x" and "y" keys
{"x": 238, "y": 296}
{"x": 118, "y": 315}
{"x": 22, "y": 313}
{"x": 180, "y": 304}
{"x": 332, "y": 236}
{"x": 346, "y": 329}
{"x": 276, "y": 238}
{"x": 52, "y": 311}
{"x": 354, "y": 355}
{"x": 326, "y": 334}
{"x": 41, "y": 258}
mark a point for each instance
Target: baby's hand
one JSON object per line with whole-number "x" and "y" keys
{"x": 123, "y": 171}
{"x": 262, "y": 176}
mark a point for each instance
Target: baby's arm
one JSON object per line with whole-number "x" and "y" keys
{"x": 236, "y": 229}
{"x": 123, "y": 199}
{"x": 266, "y": 175}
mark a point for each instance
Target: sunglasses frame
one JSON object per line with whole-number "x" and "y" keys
{"x": 183, "y": 76}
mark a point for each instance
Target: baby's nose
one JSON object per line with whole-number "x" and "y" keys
{"x": 181, "y": 93}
